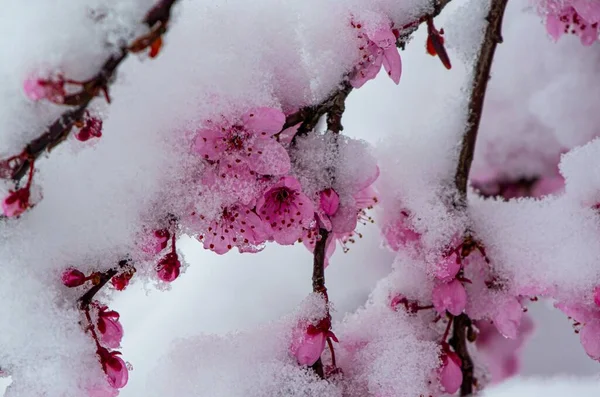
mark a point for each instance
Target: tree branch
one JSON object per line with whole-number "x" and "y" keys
{"x": 104, "y": 278}
{"x": 481, "y": 75}
{"x": 156, "y": 19}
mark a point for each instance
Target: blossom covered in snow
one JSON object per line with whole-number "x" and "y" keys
{"x": 578, "y": 17}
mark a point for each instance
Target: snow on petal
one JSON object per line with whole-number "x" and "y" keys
{"x": 508, "y": 318}
{"x": 450, "y": 297}
{"x": 264, "y": 121}
{"x": 590, "y": 339}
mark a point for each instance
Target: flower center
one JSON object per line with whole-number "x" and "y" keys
{"x": 282, "y": 195}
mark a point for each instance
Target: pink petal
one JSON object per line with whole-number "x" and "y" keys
{"x": 330, "y": 201}
{"x": 392, "y": 63}
{"x": 308, "y": 347}
{"x": 269, "y": 158}
{"x": 264, "y": 121}
{"x": 554, "y": 27}
{"x": 597, "y": 296}
{"x": 209, "y": 144}
{"x": 113, "y": 333}
{"x": 117, "y": 373}
{"x": 345, "y": 219}
{"x": 590, "y": 339}
{"x": 447, "y": 268}
{"x": 508, "y": 318}
{"x": 577, "y": 312}
{"x": 450, "y": 374}
{"x": 588, "y": 9}
{"x": 449, "y": 296}
{"x": 383, "y": 38}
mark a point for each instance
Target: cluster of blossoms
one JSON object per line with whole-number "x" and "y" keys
{"x": 578, "y": 17}
{"x": 107, "y": 332}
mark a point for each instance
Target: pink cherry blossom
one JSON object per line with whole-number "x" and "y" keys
{"x": 329, "y": 201}
{"x": 447, "y": 268}
{"x": 52, "y": 90}
{"x": 16, "y": 202}
{"x": 285, "y": 210}
{"x": 73, "y": 278}
{"x": 450, "y": 297}
{"x": 168, "y": 267}
{"x": 590, "y": 339}
{"x": 450, "y": 372}
{"x": 109, "y": 327}
{"x": 508, "y": 318}
{"x": 114, "y": 367}
{"x": 377, "y": 48}
{"x": 249, "y": 142}
{"x": 398, "y": 233}
{"x": 308, "y": 341}
{"x": 238, "y": 226}
{"x": 578, "y": 17}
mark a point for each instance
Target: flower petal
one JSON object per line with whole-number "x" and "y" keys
{"x": 264, "y": 121}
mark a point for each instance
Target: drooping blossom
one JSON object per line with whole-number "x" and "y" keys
{"x": 308, "y": 341}
{"x": 450, "y": 373}
{"x": 450, "y": 297}
{"x": 587, "y": 321}
{"x": 578, "y": 17}
{"x": 73, "y": 278}
{"x": 52, "y": 90}
{"x": 285, "y": 210}
{"x": 248, "y": 142}
{"x": 16, "y": 202}
{"x": 109, "y": 327}
{"x": 91, "y": 128}
{"x": 238, "y": 226}
{"x": 377, "y": 47}
{"x": 168, "y": 267}
{"x": 114, "y": 367}
{"x": 501, "y": 355}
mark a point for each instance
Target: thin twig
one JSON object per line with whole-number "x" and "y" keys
{"x": 156, "y": 19}
{"x": 481, "y": 75}
{"x": 86, "y": 299}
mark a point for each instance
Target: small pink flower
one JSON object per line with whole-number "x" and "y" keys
{"x": 250, "y": 142}
{"x": 168, "y": 267}
{"x": 92, "y": 128}
{"x": 308, "y": 342}
{"x": 590, "y": 339}
{"x": 114, "y": 367}
{"x": 377, "y": 48}
{"x": 447, "y": 268}
{"x": 285, "y": 210}
{"x": 73, "y": 278}
{"x": 449, "y": 296}
{"x": 330, "y": 201}
{"x": 16, "y": 202}
{"x": 508, "y": 318}
{"x": 52, "y": 90}
{"x": 450, "y": 372}
{"x": 580, "y": 17}
{"x": 109, "y": 327}
{"x": 238, "y": 227}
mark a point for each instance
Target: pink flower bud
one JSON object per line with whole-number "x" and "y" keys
{"x": 508, "y": 318}
{"x": 92, "y": 128}
{"x": 114, "y": 367}
{"x": 168, "y": 267}
{"x": 447, "y": 268}
{"x": 73, "y": 278}
{"x": 450, "y": 372}
{"x": 109, "y": 327}
{"x": 330, "y": 201}
{"x": 590, "y": 339}
{"x": 37, "y": 89}
{"x": 309, "y": 348}
{"x": 121, "y": 281}
{"x": 449, "y": 296}
{"x": 16, "y": 202}
{"x": 158, "y": 242}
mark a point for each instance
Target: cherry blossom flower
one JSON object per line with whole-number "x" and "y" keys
{"x": 52, "y": 90}
{"x": 238, "y": 226}
{"x": 109, "y": 327}
{"x": 114, "y": 367}
{"x": 587, "y": 319}
{"x": 450, "y": 297}
{"x": 285, "y": 210}
{"x": 578, "y": 17}
{"x": 73, "y": 278}
{"x": 168, "y": 267}
{"x": 377, "y": 48}
{"x": 329, "y": 201}
{"x": 308, "y": 341}
{"x": 249, "y": 142}
{"x": 450, "y": 372}
{"x": 508, "y": 318}
{"x": 447, "y": 268}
